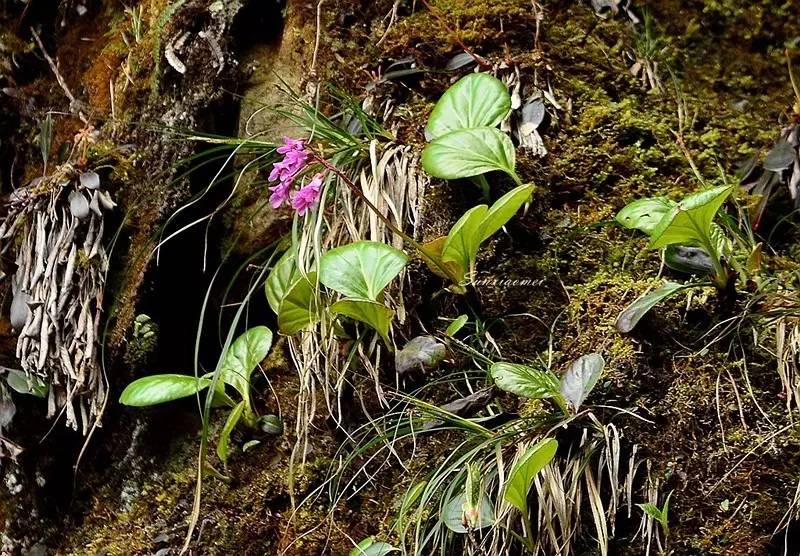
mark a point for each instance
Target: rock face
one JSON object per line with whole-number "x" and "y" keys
{"x": 128, "y": 87}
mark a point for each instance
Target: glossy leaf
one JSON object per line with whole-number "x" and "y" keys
{"x": 523, "y": 380}
{"x": 633, "y": 313}
{"x": 156, "y": 389}
{"x": 453, "y": 514}
{"x": 225, "y": 435}
{"x": 271, "y": 424}
{"x": 525, "y": 470}
{"x": 298, "y": 309}
{"x": 361, "y": 269}
{"x": 689, "y": 221}
{"x": 282, "y": 276}
{"x": 504, "y": 209}
{"x": 411, "y": 497}
{"x": 581, "y": 378}
{"x": 243, "y": 356}
{"x": 375, "y": 315}
{"x": 464, "y": 240}
{"x": 469, "y": 152}
{"x": 644, "y": 214}
{"x": 476, "y": 100}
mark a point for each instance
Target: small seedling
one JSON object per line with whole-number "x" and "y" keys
{"x": 240, "y": 360}
{"x": 568, "y": 394}
{"x": 661, "y": 515}
{"x": 458, "y": 250}
{"x": 688, "y": 224}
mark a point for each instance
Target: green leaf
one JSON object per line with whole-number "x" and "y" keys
{"x": 581, "y": 378}
{"x": 525, "y": 470}
{"x": 453, "y": 514}
{"x": 633, "y": 313}
{"x": 523, "y": 380}
{"x": 19, "y": 382}
{"x": 464, "y": 240}
{"x": 469, "y": 152}
{"x": 271, "y": 424}
{"x": 375, "y": 315}
{"x": 368, "y": 547}
{"x": 156, "y": 389}
{"x": 719, "y": 240}
{"x": 361, "y": 269}
{"x": 689, "y": 222}
{"x": 456, "y": 325}
{"x": 433, "y": 250}
{"x": 224, "y": 437}
{"x": 411, "y": 496}
{"x": 644, "y": 214}
{"x": 282, "y": 276}
{"x": 243, "y": 356}
{"x": 476, "y": 100}
{"x": 298, "y": 308}
{"x": 651, "y": 510}
{"x": 249, "y": 445}
{"x": 504, "y": 209}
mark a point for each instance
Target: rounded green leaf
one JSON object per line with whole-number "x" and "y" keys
{"x": 581, "y": 378}
{"x": 644, "y": 214}
{"x": 298, "y": 308}
{"x": 780, "y": 157}
{"x": 156, "y": 389}
{"x": 422, "y": 352}
{"x": 464, "y": 239}
{"x": 369, "y": 547}
{"x": 633, "y": 313}
{"x": 361, "y": 269}
{"x": 476, "y": 100}
{"x": 525, "y": 470}
{"x": 20, "y": 382}
{"x": 690, "y": 260}
{"x": 469, "y": 152}
{"x": 453, "y": 514}
{"x": 280, "y": 279}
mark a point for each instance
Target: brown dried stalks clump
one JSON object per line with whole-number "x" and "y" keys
{"x": 55, "y": 225}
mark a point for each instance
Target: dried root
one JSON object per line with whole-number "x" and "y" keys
{"x": 55, "y": 225}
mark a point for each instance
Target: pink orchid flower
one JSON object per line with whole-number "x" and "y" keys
{"x": 308, "y": 196}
